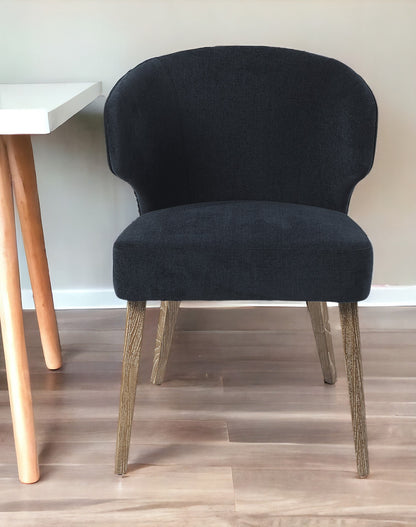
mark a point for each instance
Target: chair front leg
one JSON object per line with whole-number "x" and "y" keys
{"x": 132, "y": 347}
{"x": 169, "y": 310}
{"x": 318, "y": 312}
{"x": 352, "y": 347}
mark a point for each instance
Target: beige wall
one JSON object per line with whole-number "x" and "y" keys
{"x": 84, "y": 206}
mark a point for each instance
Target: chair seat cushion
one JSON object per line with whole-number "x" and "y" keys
{"x": 243, "y": 250}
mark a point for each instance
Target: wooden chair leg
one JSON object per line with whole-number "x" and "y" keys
{"x": 131, "y": 356}
{"x": 167, "y": 319}
{"x": 352, "y": 347}
{"x": 25, "y": 188}
{"x": 318, "y": 312}
{"x": 11, "y": 319}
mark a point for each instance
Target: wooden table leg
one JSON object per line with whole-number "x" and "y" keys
{"x": 22, "y": 168}
{"x": 11, "y": 319}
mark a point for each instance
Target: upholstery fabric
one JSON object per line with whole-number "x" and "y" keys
{"x": 243, "y": 160}
{"x": 243, "y": 250}
{"x": 236, "y": 123}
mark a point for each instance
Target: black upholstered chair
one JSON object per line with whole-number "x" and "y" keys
{"x": 243, "y": 161}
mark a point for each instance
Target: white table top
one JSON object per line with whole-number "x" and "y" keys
{"x": 40, "y": 108}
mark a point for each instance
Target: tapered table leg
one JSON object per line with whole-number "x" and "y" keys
{"x": 11, "y": 319}
{"x": 22, "y": 168}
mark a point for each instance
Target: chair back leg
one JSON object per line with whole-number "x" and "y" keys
{"x": 352, "y": 348}
{"x": 169, "y": 310}
{"x": 318, "y": 312}
{"x": 131, "y": 356}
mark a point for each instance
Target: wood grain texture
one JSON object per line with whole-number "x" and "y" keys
{"x": 131, "y": 356}
{"x": 167, "y": 319}
{"x": 353, "y": 363}
{"x": 318, "y": 312}
{"x": 243, "y": 433}
{"x": 22, "y": 168}
{"x": 262, "y": 491}
{"x": 14, "y": 344}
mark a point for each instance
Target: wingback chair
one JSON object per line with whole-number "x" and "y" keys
{"x": 243, "y": 161}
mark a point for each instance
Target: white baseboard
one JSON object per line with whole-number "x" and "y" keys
{"x": 391, "y": 295}
{"x": 78, "y": 299}
{"x": 105, "y": 298}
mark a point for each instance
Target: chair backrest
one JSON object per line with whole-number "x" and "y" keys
{"x": 241, "y": 123}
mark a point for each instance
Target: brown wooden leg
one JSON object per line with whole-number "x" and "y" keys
{"x": 352, "y": 347}
{"x": 169, "y": 310}
{"x": 318, "y": 312}
{"x": 22, "y": 168}
{"x": 131, "y": 356}
{"x": 14, "y": 345}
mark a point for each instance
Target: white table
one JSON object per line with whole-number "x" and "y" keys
{"x": 27, "y": 109}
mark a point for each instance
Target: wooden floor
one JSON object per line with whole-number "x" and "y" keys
{"x": 242, "y": 433}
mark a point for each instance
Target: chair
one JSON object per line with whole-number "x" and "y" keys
{"x": 243, "y": 161}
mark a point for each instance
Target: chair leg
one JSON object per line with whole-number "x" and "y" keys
{"x": 169, "y": 310}
{"x": 131, "y": 356}
{"x": 352, "y": 347}
{"x": 318, "y": 312}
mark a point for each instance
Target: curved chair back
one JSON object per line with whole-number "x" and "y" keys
{"x": 241, "y": 123}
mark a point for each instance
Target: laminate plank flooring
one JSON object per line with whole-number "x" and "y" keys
{"x": 242, "y": 433}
